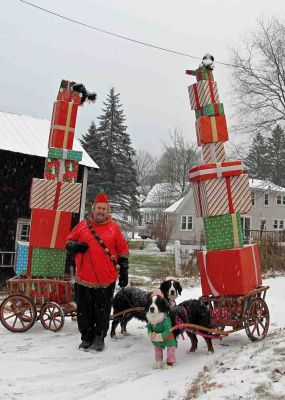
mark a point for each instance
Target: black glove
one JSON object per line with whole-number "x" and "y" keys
{"x": 76, "y": 247}
{"x": 123, "y": 274}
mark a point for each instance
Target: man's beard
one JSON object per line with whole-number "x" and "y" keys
{"x": 99, "y": 217}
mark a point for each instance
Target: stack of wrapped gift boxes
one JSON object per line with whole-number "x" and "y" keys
{"x": 221, "y": 193}
{"x": 54, "y": 198}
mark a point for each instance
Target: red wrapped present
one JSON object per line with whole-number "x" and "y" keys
{"x": 63, "y": 124}
{"x": 201, "y": 74}
{"x": 61, "y": 170}
{"x": 49, "y": 228}
{"x": 210, "y": 129}
{"x": 230, "y": 272}
{"x": 220, "y": 196}
{"x": 52, "y": 195}
{"x": 216, "y": 170}
{"x": 213, "y": 152}
{"x": 202, "y": 93}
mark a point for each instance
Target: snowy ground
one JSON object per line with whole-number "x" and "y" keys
{"x": 43, "y": 365}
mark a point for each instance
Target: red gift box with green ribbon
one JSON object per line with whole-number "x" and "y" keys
{"x": 201, "y": 74}
{"x": 230, "y": 272}
{"x": 63, "y": 124}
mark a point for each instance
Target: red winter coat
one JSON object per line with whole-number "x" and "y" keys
{"x": 94, "y": 268}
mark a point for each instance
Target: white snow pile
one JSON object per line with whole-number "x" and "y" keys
{"x": 43, "y": 365}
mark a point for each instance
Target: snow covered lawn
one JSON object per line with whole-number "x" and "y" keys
{"x": 44, "y": 365}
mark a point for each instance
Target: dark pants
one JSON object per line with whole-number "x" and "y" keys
{"x": 93, "y": 310}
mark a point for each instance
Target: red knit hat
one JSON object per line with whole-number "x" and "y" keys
{"x": 102, "y": 198}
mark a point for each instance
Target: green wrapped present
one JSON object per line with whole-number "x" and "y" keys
{"x": 202, "y": 74}
{"x": 64, "y": 154}
{"x": 48, "y": 263}
{"x": 223, "y": 232}
{"x": 210, "y": 110}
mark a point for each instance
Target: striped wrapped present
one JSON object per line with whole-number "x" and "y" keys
{"x": 52, "y": 195}
{"x": 213, "y": 152}
{"x": 202, "y": 93}
{"x": 216, "y": 170}
{"x": 222, "y": 196}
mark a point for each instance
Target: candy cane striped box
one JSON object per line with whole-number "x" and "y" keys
{"x": 202, "y": 93}
{"x": 213, "y": 152}
{"x": 221, "y": 196}
{"x": 231, "y": 271}
{"x": 52, "y": 195}
{"x": 216, "y": 170}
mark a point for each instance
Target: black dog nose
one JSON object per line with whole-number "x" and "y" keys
{"x": 151, "y": 309}
{"x": 172, "y": 292}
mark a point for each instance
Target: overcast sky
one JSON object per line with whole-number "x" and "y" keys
{"x": 37, "y": 50}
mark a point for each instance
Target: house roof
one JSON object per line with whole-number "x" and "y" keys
{"x": 265, "y": 185}
{"x": 174, "y": 206}
{"x": 29, "y": 135}
{"x": 161, "y": 192}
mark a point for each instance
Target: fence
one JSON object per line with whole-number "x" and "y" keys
{"x": 258, "y": 235}
{"x": 7, "y": 259}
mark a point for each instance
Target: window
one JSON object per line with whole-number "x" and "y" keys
{"x": 186, "y": 222}
{"x": 278, "y": 224}
{"x": 266, "y": 199}
{"x": 253, "y": 199}
{"x": 280, "y": 200}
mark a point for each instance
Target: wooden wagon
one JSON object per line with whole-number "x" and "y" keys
{"x": 32, "y": 299}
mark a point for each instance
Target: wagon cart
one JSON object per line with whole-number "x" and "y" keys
{"x": 249, "y": 312}
{"x": 32, "y": 299}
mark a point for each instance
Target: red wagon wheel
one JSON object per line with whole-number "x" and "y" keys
{"x": 18, "y": 313}
{"x": 256, "y": 319}
{"x": 52, "y": 316}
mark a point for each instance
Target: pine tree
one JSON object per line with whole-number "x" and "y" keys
{"x": 110, "y": 146}
{"x": 257, "y": 158}
{"x": 276, "y": 156}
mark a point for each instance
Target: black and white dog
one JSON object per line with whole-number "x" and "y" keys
{"x": 192, "y": 312}
{"x": 188, "y": 312}
{"x": 131, "y": 297}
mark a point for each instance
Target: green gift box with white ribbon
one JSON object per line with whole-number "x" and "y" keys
{"x": 223, "y": 232}
{"x": 64, "y": 154}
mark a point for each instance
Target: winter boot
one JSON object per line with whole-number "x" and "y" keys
{"x": 98, "y": 343}
{"x": 84, "y": 345}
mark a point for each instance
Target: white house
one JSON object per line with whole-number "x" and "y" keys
{"x": 267, "y": 213}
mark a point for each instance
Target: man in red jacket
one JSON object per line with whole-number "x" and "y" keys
{"x": 101, "y": 251}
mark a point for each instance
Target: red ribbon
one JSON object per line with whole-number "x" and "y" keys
{"x": 198, "y": 105}
{"x": 228, "y": 184}
{"x": 56, "y": 199}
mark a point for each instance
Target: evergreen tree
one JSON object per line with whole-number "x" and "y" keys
{"x": 91, "y": 144}
{"x": 110, "y": 146}
{"x": 276, "y": 156}
{"x": 257, "y": 158}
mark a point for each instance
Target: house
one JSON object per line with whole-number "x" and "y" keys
{"x": 267, "y": 213}
{"x": 153, "y": 205}
{"x": 23, "y": 150}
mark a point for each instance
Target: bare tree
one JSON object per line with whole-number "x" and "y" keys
{"x": 145, "y": 165}
{"x": 179, "y": 155}
{"x": 161, "y": 231}
{"x": 259, "y": 78}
